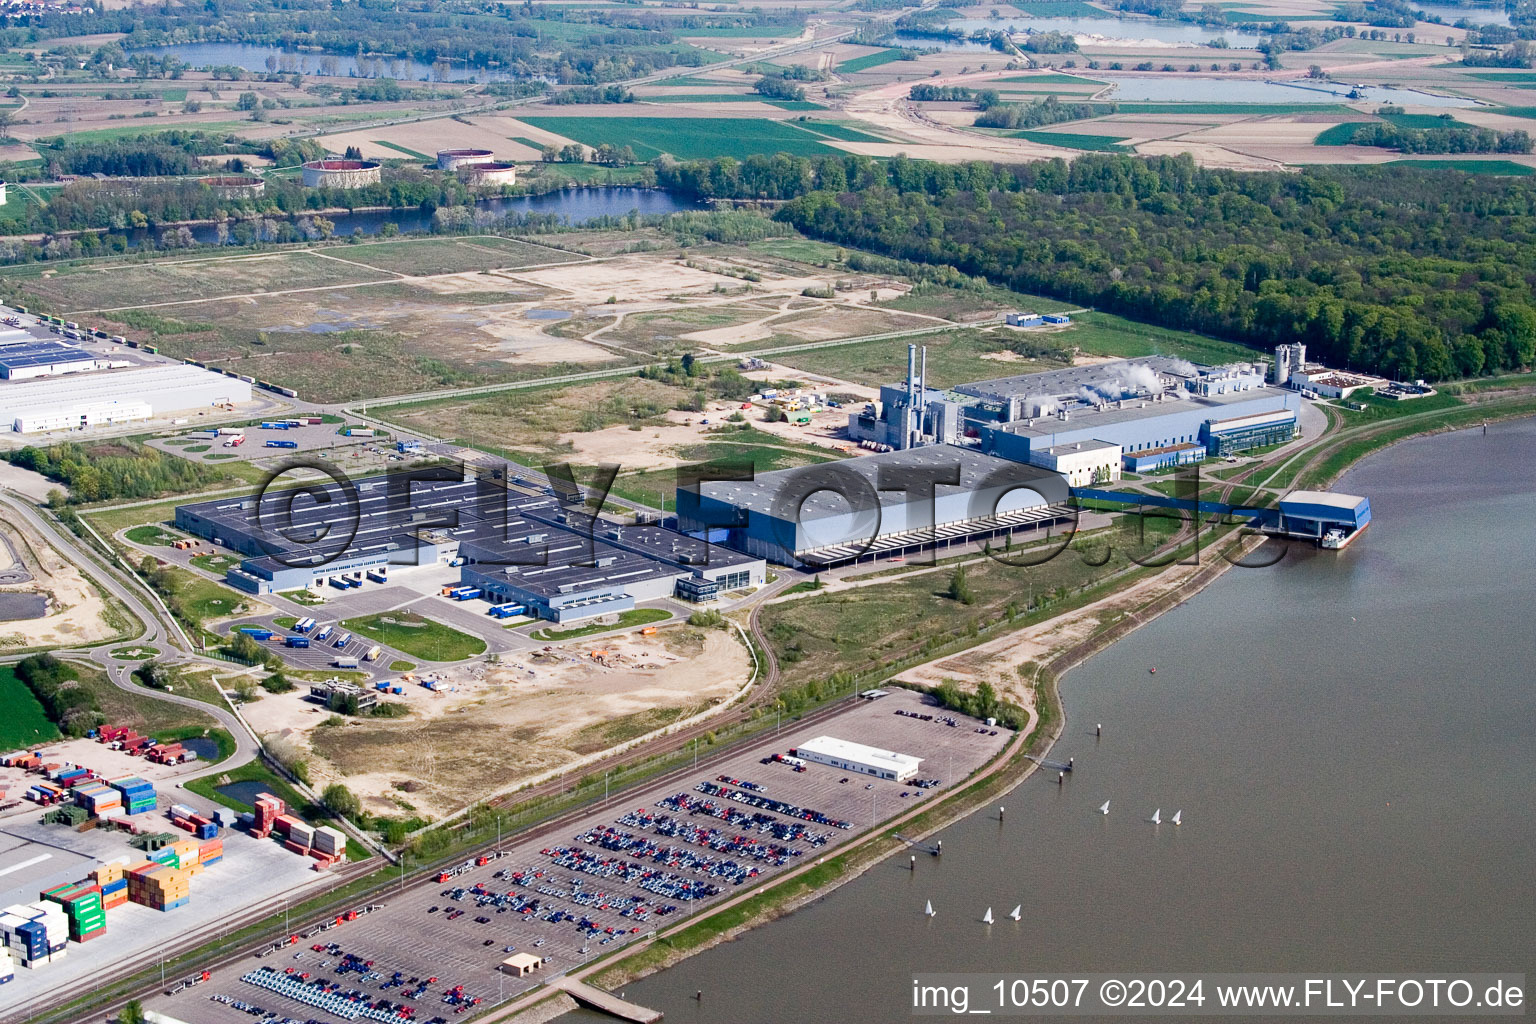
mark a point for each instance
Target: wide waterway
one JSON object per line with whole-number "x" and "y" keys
{"x": 1351, "y": 737}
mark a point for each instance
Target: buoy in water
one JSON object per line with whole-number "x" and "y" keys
{"x": 1153, "y": 670}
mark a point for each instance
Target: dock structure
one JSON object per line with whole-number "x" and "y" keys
{"x": 607, "y": 1002}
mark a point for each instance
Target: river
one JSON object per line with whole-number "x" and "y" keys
{"x": 575, "y": 205}
{"x": 1351, "y": 737}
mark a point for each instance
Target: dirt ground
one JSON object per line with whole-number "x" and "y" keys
{"x": 77, "y": 613}
{"x": 493, "y": 725}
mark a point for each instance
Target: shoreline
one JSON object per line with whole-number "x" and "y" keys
{"x": 1177, "y": 587}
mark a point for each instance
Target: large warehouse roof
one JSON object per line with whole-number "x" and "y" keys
{"x": 1069, "y": 379}
{"x": 1132, "y": 410}
{"x": 1325, "y": 499}
{"x": 165, "y": 387}
{"x": 16, "y": 355}
{"x": 778, "y": 492}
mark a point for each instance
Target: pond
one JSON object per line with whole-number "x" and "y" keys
{"x": 913, "y": 42}
{"x": 1132, "y": 32}
{"x": 1171, "y": 89}
{"x": 15, "y": 607}
{"x": 548, "y": 314}
{"x": 1451, "y": 14}
{"x": 575, "y": 206}
{"x": 244, "y": 792}
{"x": 207, "y": 749}
{"x": 252, "y": 57}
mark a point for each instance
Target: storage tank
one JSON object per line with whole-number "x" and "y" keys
{"x": 453, "y": 159}
{"x": 336, "y": 173}
{"x": 491, "y": 173}
{"x": 235, "y": 185}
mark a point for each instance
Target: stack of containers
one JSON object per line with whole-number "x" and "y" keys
{"x": 330, "y": 842}
{"x": 24, "y": 936}
{"x": 114, "y": 886}
{"x": 300, "y": 836}
{"x": 96, "y": 796}
{"x": 210, "y": 851}
{"x": 82, "y": 907}
{"x": 138, "y": 795}
{"x": 52, "y": 922}
{"x": 157, "y": 886}
{"x": 7, "y": 972}
{"x": 268, "y": 809}
{"x": 186, "y": 856}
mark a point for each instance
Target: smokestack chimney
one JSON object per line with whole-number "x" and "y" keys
{"x": 924, "y": 377}
{"x": 911, "y": 374}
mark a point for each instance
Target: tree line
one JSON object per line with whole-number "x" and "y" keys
{"x": 114, "y": 471}
{"x": 1404, "y": 271}
{"x": 55, "y": 684}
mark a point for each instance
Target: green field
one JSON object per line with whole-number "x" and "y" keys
{"x": 796, "y": 105}
{"x": 152, "y": 534}
{"x": 870, "y": 60}
{"x": 425, "y": 256}
{"x": 417, "y": 636}
{"x": 1340, "y": 134}
{"x": 1053, "y": 79}
{"x": 687, "y": 138}
{"x": 837, "y": 130}
{"x": 627, "y": 620}
{"x": 24, "y": 724}
{"x": 1505, "y": 76}
{"x": 703, "y": 97}
{"x": 401, "y": 149}
{"x": 1517, "y": 111}
{"x": 1091, "y": 143}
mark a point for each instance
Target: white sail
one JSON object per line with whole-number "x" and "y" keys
{"x": 1176, "y": 816}
{"x": 1157, "y": 816}
{"x": 1017, "y": 912}
{"x": 987, "y": 917}
{"x": 1105, "y": 808}
{"x": 928, "y": 910}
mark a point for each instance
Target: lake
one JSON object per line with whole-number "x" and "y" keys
{"x": 1183, "y": 89}
{"x": 254, "y": 58}
{"x": 1351, "y": 737}
{"x": 1134, "y": 32}
{"x": 1476, "y": 15}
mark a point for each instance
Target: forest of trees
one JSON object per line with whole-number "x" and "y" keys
{"x": 1038, "y": 112}
{"x": 1458, "y": 138}
{"x": 70, "y": 706}
{"x": 1404, "y": 271}
{"x": 117, "y": 470}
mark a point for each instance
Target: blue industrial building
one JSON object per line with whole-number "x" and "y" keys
{"x": 1333, "y": 520}
{"x": 1153, "y": 459}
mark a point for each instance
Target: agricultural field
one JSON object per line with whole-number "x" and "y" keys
{"x": 691, "y": 138}
{"x": 424, "y": 257}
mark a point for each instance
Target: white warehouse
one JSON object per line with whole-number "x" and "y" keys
{"x": 856, "y": 757}
{"x": 85, "y": 400}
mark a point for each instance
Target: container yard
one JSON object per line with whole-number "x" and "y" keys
{"x": 570, "y": 893}
{"x": 74, "y": 904}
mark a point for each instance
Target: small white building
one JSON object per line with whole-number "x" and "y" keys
{"x": 856, "y": 757}
{"x": 1334, "y": 383}
{"x": 1083, "y": 463}
{"x": 36, "y": 421}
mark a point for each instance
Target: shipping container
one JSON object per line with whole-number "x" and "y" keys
{"x": 345, "y": 663}
{"x": 323, "y": 632}
{"x": 297, "y": 641}
{"x": 281, "y": 444}
{"x": 377, "y": 576}
{"x": 256, "y": 632}
{"x": 373, "y": 653}
{"x": 343, "y": 640}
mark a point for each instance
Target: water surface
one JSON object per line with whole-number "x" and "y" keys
{"x": 1351, "y": 737}
{"x": 1171, "y": 89}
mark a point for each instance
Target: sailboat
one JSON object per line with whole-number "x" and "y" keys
{"x": 1017, "y": 912}
{"x": 987, "y": 917}
{"x": 1157, "y": 816}
{"x": 928, "y": 910}
{"x": 1176, "y": 816}
{"x": 1105, "y": 808}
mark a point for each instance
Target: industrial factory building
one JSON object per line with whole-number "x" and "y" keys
{"x": 120, "y": 396}
{"x": 23, "y": 356}
{"x": 530, "y": 549}
{"x": 1150, "y": 408}
{"x": 891, "y": 503}
{"x": 856, "y": 757}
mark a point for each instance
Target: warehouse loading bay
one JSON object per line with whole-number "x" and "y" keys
{"x": 460, "y": 930}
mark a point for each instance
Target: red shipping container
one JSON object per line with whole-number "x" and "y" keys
{"x": 295, "y": 847}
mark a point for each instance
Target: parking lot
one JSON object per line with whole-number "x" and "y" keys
{"x": 609, "y": 879}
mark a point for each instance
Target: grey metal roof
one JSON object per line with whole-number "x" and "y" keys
{"x": 1132, "y": 410}
{"x": 766, "y": 494}
{"x": 1068, "y": 379}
